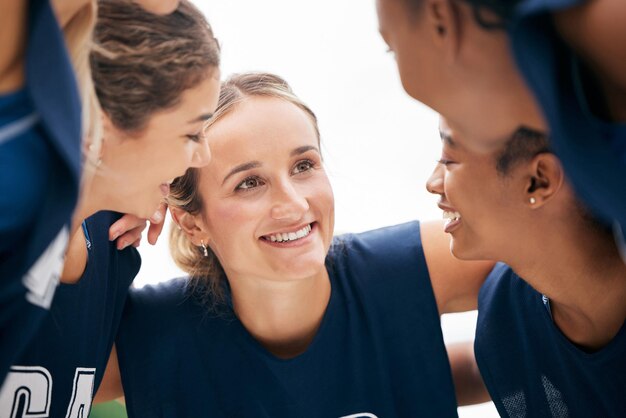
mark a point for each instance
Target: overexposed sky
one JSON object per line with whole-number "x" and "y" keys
{"x": 379, "y": 144}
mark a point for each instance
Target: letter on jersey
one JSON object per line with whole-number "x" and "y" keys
{"x": 26, "y": 393}
{"x": 82, "y": 393}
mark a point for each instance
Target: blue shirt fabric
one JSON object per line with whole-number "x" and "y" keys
{"x": 531, "y": 369}
{"x": 59, "y": 372}
{"x": 593, "y": 151}
{"x": 40, "y": 137}
{"x": 379, "y": 351}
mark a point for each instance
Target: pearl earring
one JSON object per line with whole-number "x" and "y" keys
{"x": 532, "y": 200}
{"x": 205, "y": 250}
{"x": 98, "y": 162}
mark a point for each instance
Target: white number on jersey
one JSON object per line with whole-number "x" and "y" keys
{"x": 27, "y": 393}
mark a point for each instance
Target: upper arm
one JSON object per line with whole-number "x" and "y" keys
{"x": 455, "y": 282}
{"x": 468, "y": 383}
{"x": 111, "y": 385}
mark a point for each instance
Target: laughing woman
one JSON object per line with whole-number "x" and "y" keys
{"x": 277, "y": 318}
{"x": 551, "y": 322}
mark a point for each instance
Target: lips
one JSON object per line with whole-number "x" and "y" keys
{"x": 453, "y": 218}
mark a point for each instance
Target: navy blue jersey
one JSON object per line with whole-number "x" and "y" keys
{"x": 40, "y": 137}
{"x": 379, "y": 350}
{"x": 593, "y": 151}
{"x": 61, "y": 369}
{"x": 531, "y": 369}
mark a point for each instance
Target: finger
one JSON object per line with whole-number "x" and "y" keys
{"x": 130, "y": 237}
{"x": 156, "y": 228}
{"x": 124, "y": 224}
{"x": 159, "y": 215}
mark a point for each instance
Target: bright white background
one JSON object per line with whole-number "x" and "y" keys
{"x": 379, "y": 144}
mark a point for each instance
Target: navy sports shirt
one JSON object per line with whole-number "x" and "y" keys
{"x": 40, "y": 153}
{"x": 379, "y": 351}
{"x": 593, "y": 151}
{"x": 531, "y": 369}
{"x": 59, "y": 372}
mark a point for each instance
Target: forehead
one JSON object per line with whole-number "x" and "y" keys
{"x": 260, "y": 125}
{"x": 194, "y": 106}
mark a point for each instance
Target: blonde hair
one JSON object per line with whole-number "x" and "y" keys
{"x": 205, "y": 271}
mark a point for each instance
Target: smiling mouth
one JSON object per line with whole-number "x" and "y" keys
{"x": 451, "y": 216}
{"x": 289, "y": 236}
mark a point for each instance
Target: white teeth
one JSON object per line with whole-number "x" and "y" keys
{"x": 453, "y": 216}
{"x": 290, "y": 236}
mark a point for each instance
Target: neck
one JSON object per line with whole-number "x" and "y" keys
{"x": 91, "y": 199}
{"x": 283, "y": 315}
{"x": 580, "y": 270}
{"x": 483, "y": 85}
{"x": 65, "y": 10}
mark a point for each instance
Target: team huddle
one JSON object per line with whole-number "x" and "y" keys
{"x": 114, "y": 113}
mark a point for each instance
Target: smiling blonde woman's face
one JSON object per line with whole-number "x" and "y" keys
{"x": 268, "y": 204}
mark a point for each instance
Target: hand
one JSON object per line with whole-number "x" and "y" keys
{"x": 127, "y": 230}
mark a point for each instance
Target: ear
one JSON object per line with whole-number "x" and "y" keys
{"x": 191, "y": 225}
{"x": 443, "y": 19}
{"x": 545, "y": 180}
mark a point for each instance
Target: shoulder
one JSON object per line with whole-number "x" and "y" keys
{"x": 166, "y": 296}
{"x": 384, "y": 245}
{"x": 504, "y": 288}
{"x": 382, "y": 265}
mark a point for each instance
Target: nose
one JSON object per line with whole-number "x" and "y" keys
{"x": 434, "y": 184}
{"x": 288, "y": 204}
{"x": 202, "y": 154}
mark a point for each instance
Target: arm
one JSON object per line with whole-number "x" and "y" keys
{"x": 111, "y": 385}
{"x": 468, "y": 383}
{"x": 13, "y": 28}
{"x": 455, "y": 282}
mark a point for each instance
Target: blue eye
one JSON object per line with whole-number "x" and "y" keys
{"x": 302, "y": 166}
{"x": 250, "y": 183}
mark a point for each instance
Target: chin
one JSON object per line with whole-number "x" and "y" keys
{"x": 303, "y": 267}
{"x": 464, "y": 252}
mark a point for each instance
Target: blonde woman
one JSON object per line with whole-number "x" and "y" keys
{"x": 278, "y": 318}
{"x": 155, "y": 96}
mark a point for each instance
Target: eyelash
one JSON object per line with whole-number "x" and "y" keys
{"x": 443, "y": 161}
{"x": 260, "y": 182}
{"x": 194, "y": 138}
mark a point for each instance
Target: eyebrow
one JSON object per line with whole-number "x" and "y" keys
{"x": 241, "y": 167}
{"x": 303, "y": 149}
{"x": 202, "y": 118}
{"x": 447, "y": 139}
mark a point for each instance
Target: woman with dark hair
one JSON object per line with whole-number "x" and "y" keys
{"x": 551, "y": 332}
{"x": 157, "y": 80}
